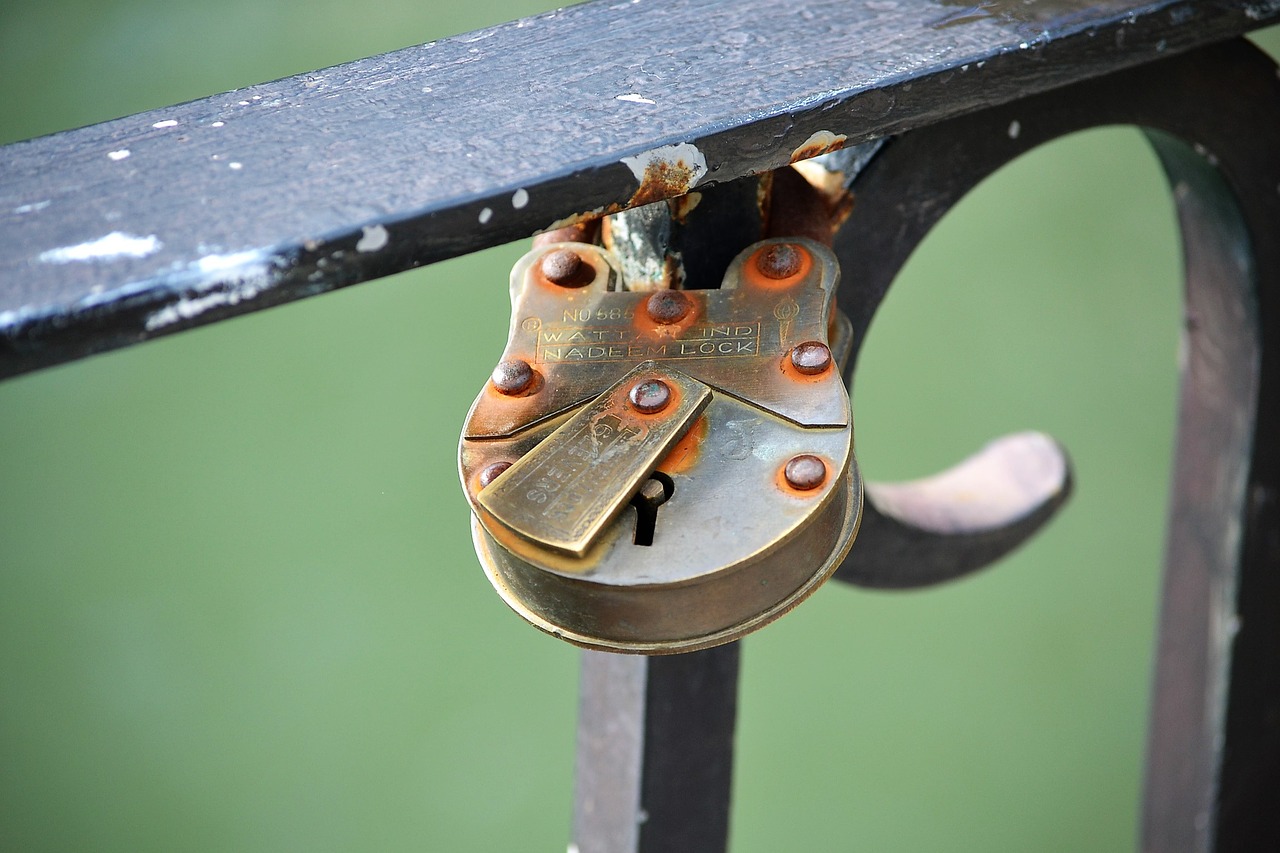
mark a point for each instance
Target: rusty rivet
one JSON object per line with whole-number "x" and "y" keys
{"x": 564, "y": 267}
{"x": 512, "y": 376}
{"x": 491, "y": 472}
{"x": 805, "y": 472}
{"x": 650, "y": 396}
{"x": 779, "y": 261}
{"x": 810, "y": 357}
{"x": 668, "y": 306}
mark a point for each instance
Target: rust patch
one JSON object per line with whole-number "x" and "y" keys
{"x": 662, "y": 180}
{"x": 684, "y": 453}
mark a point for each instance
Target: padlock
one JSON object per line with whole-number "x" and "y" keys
{"x": 658, "y": 472}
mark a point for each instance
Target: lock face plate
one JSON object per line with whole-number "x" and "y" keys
{"x": 736, "y": 543}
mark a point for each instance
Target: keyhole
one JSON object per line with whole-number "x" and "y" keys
{"x": 656, "y": 491}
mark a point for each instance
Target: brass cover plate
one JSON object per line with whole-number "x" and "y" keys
{"x": 561, "y": 494}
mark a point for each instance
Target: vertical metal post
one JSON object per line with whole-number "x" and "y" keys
{"x": 655, "y": 752}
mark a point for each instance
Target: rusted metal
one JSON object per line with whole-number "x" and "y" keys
{"x": 668, "y": 306}
{"x": 780, "y": 261}
{"x": 564, "y": 267}
{"x": 585, "y": 231}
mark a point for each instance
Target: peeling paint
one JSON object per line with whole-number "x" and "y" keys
{"x": 670, "y": 170}
{"x": 373, "y": 238}
{"x": 115, "y": 245}
{"x": 821, "y": 142}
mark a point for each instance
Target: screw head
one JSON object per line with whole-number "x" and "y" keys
{"x": 811, "y": 357}
{"x": 779, "y": 261}
{"x": 513, "y": 376}
{"x": 565, "y": 268}
{"x": 805, "y": 472}
{"x": 650, "y": 396}
{"x": 668, "y": 306}
{"x": 491, "y": 472}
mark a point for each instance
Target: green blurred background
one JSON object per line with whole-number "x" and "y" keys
{"x": 239, "y": 608}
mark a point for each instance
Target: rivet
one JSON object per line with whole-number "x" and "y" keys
{"x": 810, "y": 357}
{"x": 513, "y": 376}
{"x": 565, "y": 268}
{"x": 650, "y": 396}
{"x": 779, "y": 261}
{"x": 805, "y": 472}
{"x": 668, "y": 306}
{"x": 491, "y": 472}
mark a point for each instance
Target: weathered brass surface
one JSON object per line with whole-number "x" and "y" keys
{"x": 581, "y": 340}
{"x": 562, "y": 493}
{"x": 734, "y": 545}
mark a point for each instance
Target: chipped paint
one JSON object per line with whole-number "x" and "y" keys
{"x": 634, "y": 98}
{"x": 520, "y": 198}
{"x": 485, "y": 215}
{"x": 821, "y": 142}
{"x": 250, "y": 275}
{"x": 115, "y": 245}
{"x": 664, "y": 172}
{"x": 372, "y": 238}
{"x": 166, "y": 123}
{"x": 119, "y": 155}
{"x": 218, "y": 124}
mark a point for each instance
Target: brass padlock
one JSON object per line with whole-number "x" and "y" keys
{"x": 658, "y": 472}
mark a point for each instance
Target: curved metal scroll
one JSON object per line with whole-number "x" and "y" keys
{"x": 1213, "y": 116}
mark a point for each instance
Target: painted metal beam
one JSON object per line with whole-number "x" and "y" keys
{"x": 146, "y": 225}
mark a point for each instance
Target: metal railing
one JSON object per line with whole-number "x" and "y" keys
{"x": 69, "y": 290}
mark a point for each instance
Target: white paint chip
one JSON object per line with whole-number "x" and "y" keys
{"x": 114, "y": 245}
{"x": 1014, "y": 129}
{"x": 122, "y": 154}
{"x": 634, "y": 98}
{"x": 485, "y": 216}
{"x": 520, "y": 198}
{"x": 372, "y": 238}
{"x": 166, "y": 123}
